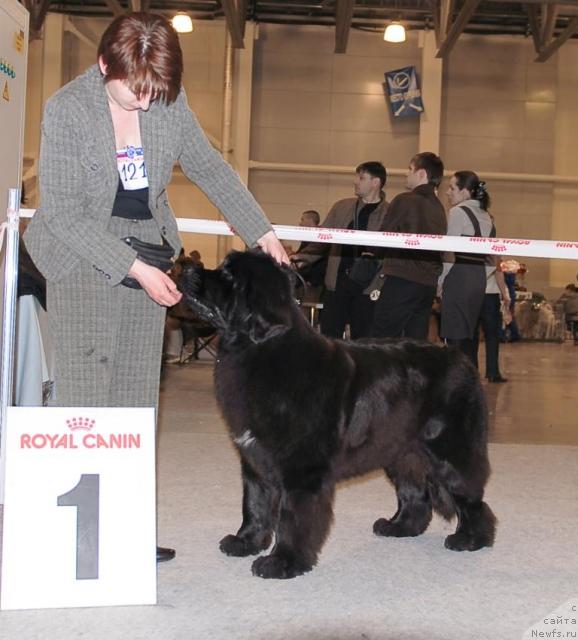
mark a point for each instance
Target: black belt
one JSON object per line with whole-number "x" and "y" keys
{"x": 470, "y": 258}
{"x": 133, "y": 216}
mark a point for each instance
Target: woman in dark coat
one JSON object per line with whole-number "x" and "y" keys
{"x": 463, "y": 280}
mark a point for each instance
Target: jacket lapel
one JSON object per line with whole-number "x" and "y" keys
{"x": 153, "y": 146}
{"x": 102, "y": 129}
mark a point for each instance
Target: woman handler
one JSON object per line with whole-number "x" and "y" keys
{"x": 109, "y": 141}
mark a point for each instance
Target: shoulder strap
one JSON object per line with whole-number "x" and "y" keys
{"x": 473, "y": 220}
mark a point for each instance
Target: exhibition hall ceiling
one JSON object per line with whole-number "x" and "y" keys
{"x": 549, "y": 24}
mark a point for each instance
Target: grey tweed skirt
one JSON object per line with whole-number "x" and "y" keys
{"x": 108, "y": 339}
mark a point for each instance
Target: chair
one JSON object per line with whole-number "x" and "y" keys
{"x": 201, "y": 336}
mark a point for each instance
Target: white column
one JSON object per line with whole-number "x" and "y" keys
{"x": 565, "y": 196}
{"x": 431, "y": 90}
{"x": 242, "y": 94}
{"x": 52, "y": 59}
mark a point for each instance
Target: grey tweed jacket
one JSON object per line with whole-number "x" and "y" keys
{"x": 79, "y": 179}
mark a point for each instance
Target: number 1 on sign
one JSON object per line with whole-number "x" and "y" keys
{"x": 85, "y": 497}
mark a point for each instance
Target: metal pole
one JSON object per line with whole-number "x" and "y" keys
{"x": 8, "y": 320}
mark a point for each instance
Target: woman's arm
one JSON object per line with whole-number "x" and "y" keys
{"x": 205, "y": 166}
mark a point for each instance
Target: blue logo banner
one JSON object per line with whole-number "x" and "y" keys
{"x": 404, "y": 92}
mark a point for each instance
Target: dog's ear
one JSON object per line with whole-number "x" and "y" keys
{"x": 261, "y": 305}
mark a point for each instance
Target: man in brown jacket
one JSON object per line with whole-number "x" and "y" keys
{"x": 346, "y": 301}
{"x": 410, "y": 276}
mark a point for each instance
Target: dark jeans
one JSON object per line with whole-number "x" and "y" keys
{"x": 347, "y": 304}
{"x": 403, "y": 309}
{"x": 491, "y": 323}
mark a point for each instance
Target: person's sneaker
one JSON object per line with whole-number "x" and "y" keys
{"x": 172, "y": 360}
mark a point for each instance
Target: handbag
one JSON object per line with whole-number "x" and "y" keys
{"x": 155, "y": 255}
{"x": 364, "y": 269}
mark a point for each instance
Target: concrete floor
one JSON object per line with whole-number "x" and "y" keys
{"x": 537, "y": 405}
{"x": 203, "y": 594}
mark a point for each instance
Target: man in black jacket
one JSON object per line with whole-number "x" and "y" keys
{"x": 410, "y": 276}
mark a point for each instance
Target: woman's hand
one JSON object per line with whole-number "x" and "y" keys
{"x": 271, "y": 245}
{"x": 158, "y": 286}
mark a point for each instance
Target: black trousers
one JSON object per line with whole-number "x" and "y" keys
{"x": 347, "y": 304}
{"x": 403, "y": 309}
{"x": 491, "y": 323}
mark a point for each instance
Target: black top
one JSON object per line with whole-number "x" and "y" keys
{"x": 133, "y": 205}
{"x": 350, "y": 252}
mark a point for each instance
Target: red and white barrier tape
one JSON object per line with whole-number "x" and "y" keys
{"x": 498, "y": 246}
{"x": 562, "y": 249}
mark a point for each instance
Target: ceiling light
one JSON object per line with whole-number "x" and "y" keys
{"x": 394, "y": 32}
{"x": 182, "y": 23}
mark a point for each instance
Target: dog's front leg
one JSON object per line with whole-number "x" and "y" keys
{"x": 304, "y": 521}
{"x": 260, "y": 506}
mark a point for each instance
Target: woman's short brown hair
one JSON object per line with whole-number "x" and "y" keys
{"x": 143, "y": 49}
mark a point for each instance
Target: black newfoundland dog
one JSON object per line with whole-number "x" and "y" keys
{"x": 305, "y": 411}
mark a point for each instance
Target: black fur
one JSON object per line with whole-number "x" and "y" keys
{"x": 305, "y": 411}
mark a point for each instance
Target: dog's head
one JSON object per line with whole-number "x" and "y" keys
{"x": 248, "y": 299}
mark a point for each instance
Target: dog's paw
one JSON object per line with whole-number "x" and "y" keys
{"x": 464, "y": 542}
{"x": 390, "y": 529}
{"x": 278, "y": 567}
{"x": 234, "y": 546}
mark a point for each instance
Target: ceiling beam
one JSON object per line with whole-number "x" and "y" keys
{"x": 570, "y": 3}
{"x": 565, "y": 35}
{"x": 343, "y": 17}
{"x": 435, "y": 12}
{"x": 235, "y": 23}
{"x": 549, "y": 17}
{"x": 534, "y": 22}
{"x": 38, "y": 11}
{"x": 115, "y": 7}
{"x": 446, "y": 15}
{"x": 457, "y": 26}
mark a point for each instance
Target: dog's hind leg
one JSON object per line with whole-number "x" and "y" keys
{"x": 260, "y": 506}
{"x": 414, "y": 507}
{"x": 476, "y": 525}
{"x": 304, "y": 521}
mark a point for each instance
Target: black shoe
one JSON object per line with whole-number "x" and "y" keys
{"x": 497, "y": 379}
{"x": 164, "y": 554}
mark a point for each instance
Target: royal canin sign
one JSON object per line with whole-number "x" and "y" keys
{"x": 80, "y": 436}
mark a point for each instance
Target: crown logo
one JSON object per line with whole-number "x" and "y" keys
{"x": 80, "y": 424}
{"x": 412, "y": 242}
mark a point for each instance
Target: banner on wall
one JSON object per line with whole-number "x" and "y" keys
{"x": 404, "y": 92}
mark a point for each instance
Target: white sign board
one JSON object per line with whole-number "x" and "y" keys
{"x": 79, "y": 508}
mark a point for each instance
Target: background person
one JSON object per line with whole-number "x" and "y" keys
{"x": 463, "y": 281}
{"x": 495, "y": 311}
{"x": 346, "y": 301}
{"x": 313, "y": 273}
{"x": 510, "y": 332}
{"x": 410, "y": 276}
{"x": 109, "y": 141}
